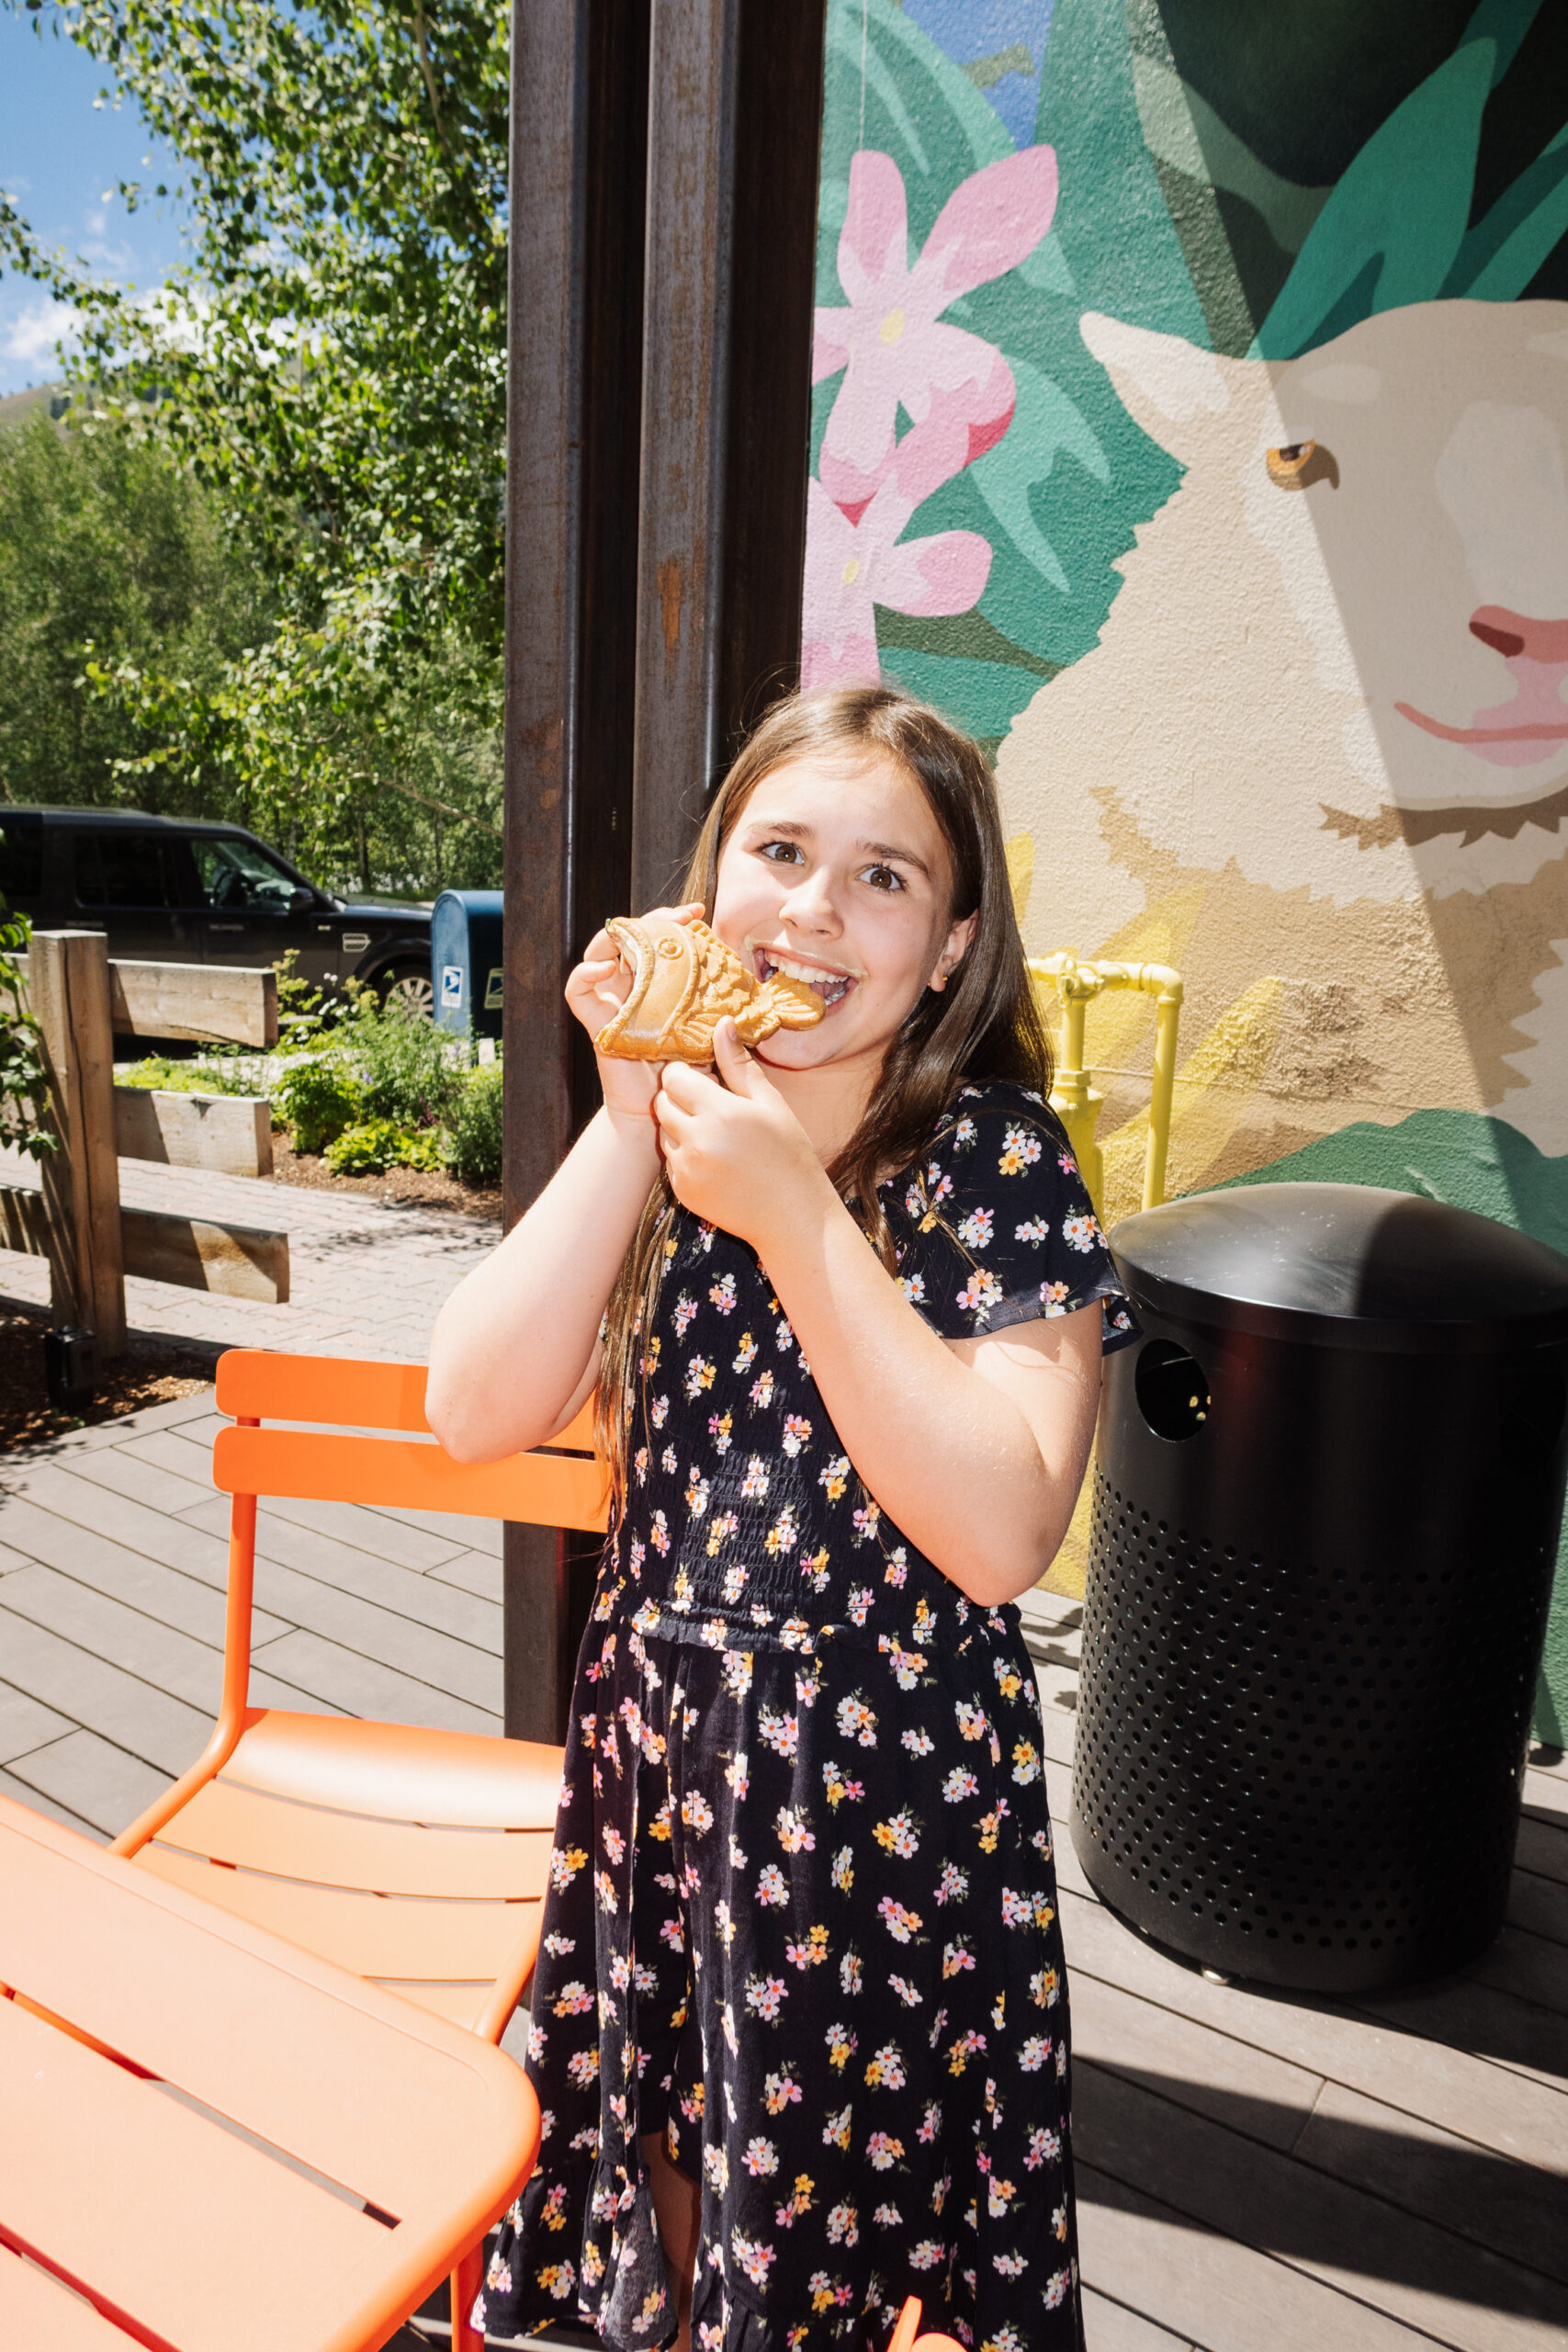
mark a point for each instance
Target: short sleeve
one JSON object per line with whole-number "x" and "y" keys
{"x": 994, "y": 1224}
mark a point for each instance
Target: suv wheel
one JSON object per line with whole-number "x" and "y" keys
{"x": 408, "y": 985}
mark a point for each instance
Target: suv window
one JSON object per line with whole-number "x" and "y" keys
{"x": 241, "y": 873}
{"x": 21, "y": 860}
{"x": 122, "y": 867}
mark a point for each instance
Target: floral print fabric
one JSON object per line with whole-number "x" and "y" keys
{"x": 803, "y": 1916}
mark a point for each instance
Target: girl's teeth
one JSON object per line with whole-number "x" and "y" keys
{"x": 812, "y": 974}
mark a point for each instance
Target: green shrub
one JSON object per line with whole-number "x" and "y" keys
{"x": 24, "y": 1079}
{"x": 474, "y": 1146}
{"x": 407, "y": 1069}
{"x": 319, "y": 1098}
{"x": 372, "y": 1145}
{"x": 227, "y": 1074}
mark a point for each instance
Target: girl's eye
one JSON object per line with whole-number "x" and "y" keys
{"x": 783, "y": 852}
{"x": 883, "y": 878}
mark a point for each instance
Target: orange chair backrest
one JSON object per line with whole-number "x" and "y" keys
{"x": 565, "y": 1485}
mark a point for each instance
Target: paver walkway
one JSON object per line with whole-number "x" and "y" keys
{"x": 1256, "y": 2170}
{"x": 365, "y": 1279}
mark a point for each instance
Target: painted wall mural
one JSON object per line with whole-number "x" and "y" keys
{"x": 1190, "y": 420}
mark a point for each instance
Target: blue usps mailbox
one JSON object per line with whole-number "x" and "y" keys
{"x": 465, "y": 961}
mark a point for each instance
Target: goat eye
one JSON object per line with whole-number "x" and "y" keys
{"x": 1289, "y": 465}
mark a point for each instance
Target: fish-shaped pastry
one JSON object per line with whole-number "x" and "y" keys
{"x": 684, "y": 982}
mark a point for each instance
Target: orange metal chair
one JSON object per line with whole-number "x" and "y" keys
{"x": 416, "y": 1858}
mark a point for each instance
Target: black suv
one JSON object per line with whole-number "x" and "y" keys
{"x": 177, "y": 890}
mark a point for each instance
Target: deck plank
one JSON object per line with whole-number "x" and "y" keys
{"x": 1214, "y": 2291}
{"x": 1448, "y": 2088}
{"x": 358, "y": 1685}
{"x": 1112, "y": 2327}
{"x": 1518, "y": 2210}
{"x": 425, "y": 1600}
{"x": 1226, "y": 2178}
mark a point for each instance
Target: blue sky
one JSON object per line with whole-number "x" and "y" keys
{"x": 61, "y": 157}
{"x": 59, "y": 160}
{"x": 970, "y": 30}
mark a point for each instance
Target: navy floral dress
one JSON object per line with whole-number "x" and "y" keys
{"x": 801, "y": 1914}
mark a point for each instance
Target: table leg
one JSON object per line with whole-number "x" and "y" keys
{"x": 466, "y": 2282}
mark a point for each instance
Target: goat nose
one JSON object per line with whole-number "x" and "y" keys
{"x": 1511, "y": 634}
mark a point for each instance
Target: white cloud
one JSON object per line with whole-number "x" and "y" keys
{"x": 28, "y": 338}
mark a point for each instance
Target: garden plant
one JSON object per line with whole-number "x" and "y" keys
{"x": 369, "y": 1086}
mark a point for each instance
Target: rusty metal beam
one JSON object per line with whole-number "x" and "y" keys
{"x": 577, "y": 183}
{"x": 734, "y": 132}
{"x": 663, "y": 207}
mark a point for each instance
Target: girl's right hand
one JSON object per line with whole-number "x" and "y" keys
{"x": 598, "y": 988}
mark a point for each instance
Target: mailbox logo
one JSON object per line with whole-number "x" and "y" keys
{"x": 492, "y": 990}
{"x": 451, "y": 986}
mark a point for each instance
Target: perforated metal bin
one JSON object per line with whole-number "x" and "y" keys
{"x": 1327, "y": 1504}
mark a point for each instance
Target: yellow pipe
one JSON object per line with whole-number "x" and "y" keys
{"x": 1074, "y": 1098}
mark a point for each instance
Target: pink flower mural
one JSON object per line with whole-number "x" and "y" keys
{"x": 890, "y": 337}
{"x": 897, "y": 354}
{"x": 853, "y": 563}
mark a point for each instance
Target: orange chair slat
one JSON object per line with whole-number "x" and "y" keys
{"x": 344, "y": 1391}
{"x": 36, "y": 2309}
{"x": 539, "y": 1489}
{"x": 234, "y": 1824}
{"x": 198, "y": 2282}
{"x": 461, "y": 2005}
{"x": 205, "y": 2002}
{"x": 398, "y": 1771}
{"x": 365, "y": 1933}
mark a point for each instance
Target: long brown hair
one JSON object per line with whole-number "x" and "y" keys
{"x": 985, "y": 1024}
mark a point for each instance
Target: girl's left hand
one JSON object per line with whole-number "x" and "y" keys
{"x": 735, "y": 1153}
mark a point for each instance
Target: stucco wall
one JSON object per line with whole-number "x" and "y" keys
{"x": 1192, "y": 407}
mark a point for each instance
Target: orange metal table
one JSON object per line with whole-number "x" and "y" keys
{"x": 223, "y": 2142}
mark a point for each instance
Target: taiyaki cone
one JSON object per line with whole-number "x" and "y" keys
{"x": 684, "y": 982}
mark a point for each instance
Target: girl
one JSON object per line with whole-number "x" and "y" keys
{"x": 799, "y": 2024}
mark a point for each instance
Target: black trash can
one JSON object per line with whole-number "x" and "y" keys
{"x": 1327, "y": 1504}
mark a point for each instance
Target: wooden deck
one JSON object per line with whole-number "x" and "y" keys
{"x": 1258, "y": 2172}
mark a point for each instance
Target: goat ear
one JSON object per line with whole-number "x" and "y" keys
{"x": 1161, "y": 379}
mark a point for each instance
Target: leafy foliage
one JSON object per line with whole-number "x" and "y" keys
{"x": 235, "y": 1073}
{"x": 475, "y": 1149}
{"x": 104, "y": 539}
{"x": 331, "y": 366}
{"x": 334, "y": 357}
{"x": 319, "y": 1098}
{"x": 374, "y": 1145}
{"x": 407, "y": 1069}
{"x": 24, "y": 1079}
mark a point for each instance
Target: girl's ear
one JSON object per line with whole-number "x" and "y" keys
{"x": 955, "y": 946}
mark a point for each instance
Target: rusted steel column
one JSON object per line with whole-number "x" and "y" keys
{"x": 735, "y": 117}
{"x": 578, "y": 179}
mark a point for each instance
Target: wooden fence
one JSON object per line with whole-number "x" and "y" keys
{"x": 81, "y": 1001}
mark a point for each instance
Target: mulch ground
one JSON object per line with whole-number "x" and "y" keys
{"x": 431, "y": 1188}
{"x": 150, "y": 1372}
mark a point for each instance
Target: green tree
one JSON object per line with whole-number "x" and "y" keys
{"x": 105, "y": 539}
{"x": 330, "y": 364}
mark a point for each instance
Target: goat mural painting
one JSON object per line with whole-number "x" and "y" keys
{"x": 1193, "y": 422}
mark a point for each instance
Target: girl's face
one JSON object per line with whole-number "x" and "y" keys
{"x": 837, "y": 873}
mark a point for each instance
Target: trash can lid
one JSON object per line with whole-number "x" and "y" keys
{"x": 1345, "y": 1266}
